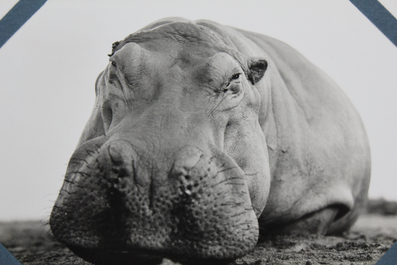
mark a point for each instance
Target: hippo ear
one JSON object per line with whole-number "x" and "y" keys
{"x": 257, "y": 69}
{"x": 114, "y": 48}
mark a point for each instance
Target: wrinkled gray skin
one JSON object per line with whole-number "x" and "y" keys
{"x": 201, "y": 136}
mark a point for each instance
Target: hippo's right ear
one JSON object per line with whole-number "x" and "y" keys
{"x": 257, "y": 68}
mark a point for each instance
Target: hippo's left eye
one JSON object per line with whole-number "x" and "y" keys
{"x": 235, "y": 76}
{"x": 233, "y": 84}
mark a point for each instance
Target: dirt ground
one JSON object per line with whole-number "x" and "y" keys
{"x": 369, "y": 239}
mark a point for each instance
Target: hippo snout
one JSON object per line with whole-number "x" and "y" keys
{"x": 117, "y": 200}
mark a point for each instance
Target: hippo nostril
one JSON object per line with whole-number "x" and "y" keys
{"x": 185, "y": 159}
{"x": 186, "y": 190}
{"x": 115, "y": 154}
{"x": 121, "y": 156}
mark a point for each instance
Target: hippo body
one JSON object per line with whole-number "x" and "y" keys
{"x": 201, "y": 136}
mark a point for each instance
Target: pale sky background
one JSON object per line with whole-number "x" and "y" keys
{"x": 48, "y": 69}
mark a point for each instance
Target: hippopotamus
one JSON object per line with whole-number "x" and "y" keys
{"x": 202, "y": 138}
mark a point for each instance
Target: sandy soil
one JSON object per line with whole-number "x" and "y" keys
{"x": 373, "y": 234}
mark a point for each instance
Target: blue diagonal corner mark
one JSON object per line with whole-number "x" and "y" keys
{"x": 6, "y": 257}
{"x": 390, "y": 258}
{"x": 379, "y": 16}
{"x": 16, "y": 17}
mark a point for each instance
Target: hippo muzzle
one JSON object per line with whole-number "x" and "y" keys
{"x": 116, "y": 200}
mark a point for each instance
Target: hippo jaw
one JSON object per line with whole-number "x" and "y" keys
{"x": 173, "y": 161}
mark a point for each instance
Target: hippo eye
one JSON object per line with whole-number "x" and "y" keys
{"x": 235, "y": 76}
{"x": 114, "y": 64}
{"x": 233, "y": 88}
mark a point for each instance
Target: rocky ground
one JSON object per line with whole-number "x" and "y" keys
{"x": 374, "y": 233}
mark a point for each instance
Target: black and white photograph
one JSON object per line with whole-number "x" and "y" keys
{"x": 198, "y": 132}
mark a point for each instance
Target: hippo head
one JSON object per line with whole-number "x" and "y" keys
{"x": 173, "y": 161}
